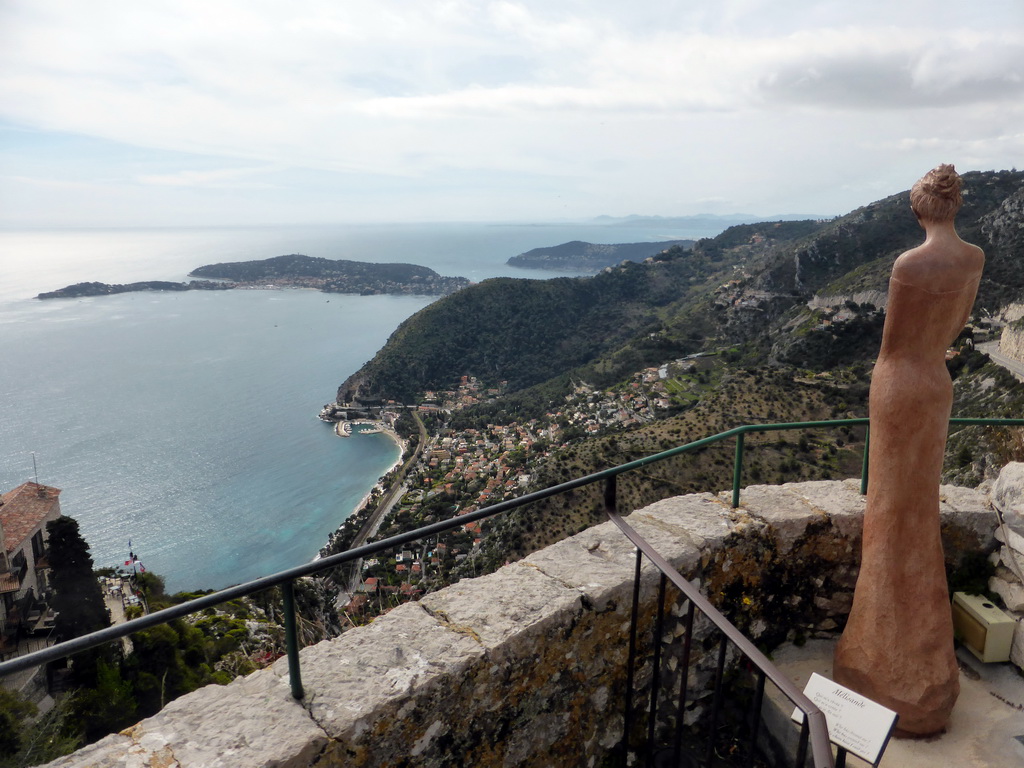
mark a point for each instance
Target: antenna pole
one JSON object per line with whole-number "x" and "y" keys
{"x": 35, "y": 469}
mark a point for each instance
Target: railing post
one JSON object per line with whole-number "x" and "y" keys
{"x": 684, "y": 683}
{"x": 291, "y": 639}
{"x": 659, "y": 629}
{"x": 634, "y": 620}
{"x": 864, "y": 464}
{"x": 610, "y": 500}
{"x": 737, "y": 469}
{"x": 755, "y": 717}
{"x": 801, "y": 748}
{"x": 716, "y": 701}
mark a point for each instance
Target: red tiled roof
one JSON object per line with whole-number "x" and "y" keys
{"x": 25, "y": 509}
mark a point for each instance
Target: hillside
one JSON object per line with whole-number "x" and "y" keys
{"x": 526, "y": 332}
{"x": 529, "y": 383}
{"x": 760, "y": 286}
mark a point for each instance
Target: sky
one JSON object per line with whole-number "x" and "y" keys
{"x": 241, "y": 112}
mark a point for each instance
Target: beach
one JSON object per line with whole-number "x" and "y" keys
{"x": 346, "y": 429}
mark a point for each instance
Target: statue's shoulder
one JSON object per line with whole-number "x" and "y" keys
{"x": 976, "y": 254}
{"x": 940, "y": 268}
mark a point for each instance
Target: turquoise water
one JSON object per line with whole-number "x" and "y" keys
{"x": 186, "y": 422}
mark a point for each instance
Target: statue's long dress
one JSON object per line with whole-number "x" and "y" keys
{"x": 897, "y": 648}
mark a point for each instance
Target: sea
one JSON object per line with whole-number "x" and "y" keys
{"x": 182, "y": 427}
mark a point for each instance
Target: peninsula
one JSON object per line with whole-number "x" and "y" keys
{"x": 106, "y": 289}
{"x": 578, "y": 255}
{"x": 291, "y": 271}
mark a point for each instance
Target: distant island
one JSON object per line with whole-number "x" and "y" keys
{"x": 717, "y": 222}
{"x": 291, "y": 271}
{"x": 106, "y": 289}
{"x": 591, "y": 257}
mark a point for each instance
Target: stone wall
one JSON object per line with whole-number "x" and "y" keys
{"x": 526, "y": 666}
{"x": 1008, "y": 580}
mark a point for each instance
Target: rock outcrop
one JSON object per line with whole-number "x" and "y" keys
{"x": 1011, "y": 342}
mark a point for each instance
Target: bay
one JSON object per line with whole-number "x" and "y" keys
{"x": 186, "y": 422}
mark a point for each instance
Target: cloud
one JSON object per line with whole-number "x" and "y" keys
{"x": 893, "y": 69}
{"x": 222, "y": 178}
{"x": 582, "y": 95}
{"x": 43, "y": 183}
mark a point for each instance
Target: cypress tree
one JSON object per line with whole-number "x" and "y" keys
{"x": 78, "y": 598}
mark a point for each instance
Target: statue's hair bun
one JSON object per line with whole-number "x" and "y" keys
{"x": 936, "y": 196}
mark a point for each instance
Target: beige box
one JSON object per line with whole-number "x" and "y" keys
{"x": 986, "y": 630}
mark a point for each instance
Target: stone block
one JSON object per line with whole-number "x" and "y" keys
{"x": 548, "y": 659}
{"x": 356, "y": 683}
{"x": 1011, "y": 539}
{"x": 254, "y": 721}
{"x": 599, "y": 563}
{"x": 1017, "y": 645}
{"x": 113, "y": 750}
{"x": 698, "y": 520}
{"x": 505, "y": 607}
{"x": 1010, "y": 591}
{"x": 1008, "y": 495}
{"x": 838, "y": 604}
{"x": 968, "y": 515}
{"x": 842, "y": 502}
{"x": 786, "y": 513}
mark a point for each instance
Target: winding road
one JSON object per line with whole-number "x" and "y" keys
{"x": 991, "y": 348}
{"x": 387, "y": 503}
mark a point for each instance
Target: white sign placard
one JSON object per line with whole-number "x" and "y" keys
{"x": 855, "y": 723}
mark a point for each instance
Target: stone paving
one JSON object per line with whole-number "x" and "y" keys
{"x": 986, "y": 729}
{"x": 115, "y": 608}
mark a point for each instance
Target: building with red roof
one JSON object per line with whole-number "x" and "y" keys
{"x": 24, "y": 513}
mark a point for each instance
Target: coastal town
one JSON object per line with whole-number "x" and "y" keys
{"x": 458, "y": 471}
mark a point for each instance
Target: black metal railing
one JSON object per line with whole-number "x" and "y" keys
{"x": 814, "y": 725}
{"x": 813, "y": 730}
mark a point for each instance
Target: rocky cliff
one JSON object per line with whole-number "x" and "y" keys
{"x": 1011, "y": 343}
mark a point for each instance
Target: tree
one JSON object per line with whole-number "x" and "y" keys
{"x": 28, "y": 739}
{"x": 108, "y": 706}
{"x": 78, "y": 598}
{"x": 14, "y": 712}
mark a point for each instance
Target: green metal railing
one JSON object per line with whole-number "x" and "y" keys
{"x": 286, "y": 578}
{"x": 740, "y": 432}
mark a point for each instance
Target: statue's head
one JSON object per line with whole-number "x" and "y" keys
{"x": 936, "y": 195}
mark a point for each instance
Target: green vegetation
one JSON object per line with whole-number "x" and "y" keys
{"x": 28, "y": 738}
{"x": 77, "y": 595}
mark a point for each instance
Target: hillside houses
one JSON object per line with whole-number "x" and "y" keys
{"x": 463, "y": 470}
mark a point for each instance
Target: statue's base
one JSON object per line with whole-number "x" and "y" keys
{"x": 985, "y": 729}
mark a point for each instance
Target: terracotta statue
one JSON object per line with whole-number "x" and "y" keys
{"x": 897, "y": 648}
